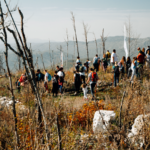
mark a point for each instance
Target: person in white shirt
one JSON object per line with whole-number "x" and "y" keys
{"x": 95, "y": 62}
{"x": 78, "y": 60}
{"x": 60, "y": 79}
{"x": 148, "y": 59}
{"x": 46, "y": 80}
{"x": 85, "y": 90}
{"x": 82, "y": 73}
{"x": 114, "y": 57}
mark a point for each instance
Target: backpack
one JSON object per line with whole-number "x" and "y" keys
{"x": 49, "y": 77}
{"x": 95, "y": 60}
{"x": 81, "y": 69}
{"x": 40, "y": 77}
{"x": 54, "y": 80}
{"x": 108, "y": 55}
{"x": 116, "y": 70}
{"x": 77, "y": 78}
{"x": 94, "y": 76}
{"x": 105, "y": 61}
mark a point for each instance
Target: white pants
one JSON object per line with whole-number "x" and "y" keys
{"x": 85, "y": 92}
{"x": 133, "y": 73}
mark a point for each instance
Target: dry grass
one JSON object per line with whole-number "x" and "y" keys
{"x": 136, "y": 102}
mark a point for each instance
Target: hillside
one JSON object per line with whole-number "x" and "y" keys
{"x": 43, "y": 48}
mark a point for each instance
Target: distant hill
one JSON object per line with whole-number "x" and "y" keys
{"x": 116, "y": 42}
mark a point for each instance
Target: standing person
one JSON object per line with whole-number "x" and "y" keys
{"x": 143, "y": 50}
{"x": 47, "y": 79}
{"x": 128, "y": 64}
{"x": 133, "y": 67}
{"x": 82, "y": 71}
{"x": 148, "y": 59}
{"x": 77, "y": 81}
{"x": 60, "y": 79}
{"x": 140, "y": 56}
{"x": 116, "y": 74}
{"x": 55, "y": 84}
{"x": 114, "y": 57}
{"x": 148, "y": 48}
{"x": 108, "y": 55}
{"x": 95, "y": 62}
{"x": 87, "y": 65}
{"x": 123, "y": 62}
{"x": 39, "y": 76}
{"x": 57, "y": 68}
{"x": 104, "y": 61}
{"x": 78, "y": 60}
{"x": 23, "y": 80}
{"x": 85, "y": 90}
{"x": 92, "y": 78}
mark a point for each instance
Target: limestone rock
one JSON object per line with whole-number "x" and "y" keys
{"x": 98, "y": 125}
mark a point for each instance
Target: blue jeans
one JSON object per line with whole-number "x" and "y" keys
{"x": 116, "y": 79}
{"x": 92, "y": 88}
{"x": 60, "y": 88}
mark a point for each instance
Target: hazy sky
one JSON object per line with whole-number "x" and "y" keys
{"x": 49, "y": 19}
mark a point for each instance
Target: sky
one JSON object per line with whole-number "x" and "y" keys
{"x": 49, "y": 19}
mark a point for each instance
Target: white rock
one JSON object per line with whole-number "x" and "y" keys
{"x": 98, "y": 125}
{"x": 7, "y": 102}
{"x": 136, "y": 133}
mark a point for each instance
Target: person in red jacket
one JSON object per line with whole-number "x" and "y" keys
{"x": 22, "y": 80}
{"x": 141, "y": 56}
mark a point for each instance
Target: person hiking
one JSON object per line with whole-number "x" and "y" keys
{"x": 116, "y": 74}
{"x": 92, "y": 78}
{"x": 87, "y": 65}
{"x": 78, "y": 60}
{"x": 123, "y": 63}
{"x": 85, "y": 90}
{"x": 47, "y": 79}
{"x": 128, "y": 64}
{"x": 141, "y": 56}
{"x": 104, "y": 61}
{"x": 77, "y": 81}
{"x": 133, "y": 67}
{"x": 77, "y": 65}
{"x": 60, "y": 79}
{"x": 95, "y": 62}
{"x": 57, "y": 69}
{"x": 39, "y": 76}
{"x": 148, "y": 48}
{"x": 55, "y": 84}
{"x": 148, "y": 59}
{"x": 113, "y": 57}
{"x": 82, "y": 71}
{"x": 108, "y": 55}
{"x": 23, "y": 80}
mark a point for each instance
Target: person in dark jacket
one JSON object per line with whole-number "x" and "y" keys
{"x": 116, "y": 74}
{"x": 55, "y": 84}
{"x": 39, "y": 76}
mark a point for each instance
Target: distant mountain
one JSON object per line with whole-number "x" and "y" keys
{"x": 116, "y": 42}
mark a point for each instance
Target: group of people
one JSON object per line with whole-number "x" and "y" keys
{"x": 119, "y": 69}
{"x": 130, "y": 67}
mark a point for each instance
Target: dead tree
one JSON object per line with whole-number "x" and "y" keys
{"x": 74, "y": 46}
{"x": 103, "y": 41}
{"x": 42, "y": 61}
{"x": 86, "y": 30}
{"x": 50, "y": 54}
{"x": 95, "y": 43}
{"x": 67, "y": 43}
{"x": 132, "y": 39}
{"x": 27, "y": 62}
{"x": 74, "y": 27}
{"x": 9, "y": 75}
